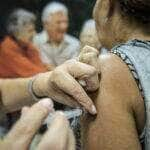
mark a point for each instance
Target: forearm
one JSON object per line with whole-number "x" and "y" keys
{"x": 14, "y": 94}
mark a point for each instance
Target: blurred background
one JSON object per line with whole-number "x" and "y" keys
{"x": 79, "y": 11}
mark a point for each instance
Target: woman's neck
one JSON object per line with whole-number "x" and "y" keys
{"x": 129, "y": 29}
{"x": 137, "y": 31}
{"x": 139, "y": 35}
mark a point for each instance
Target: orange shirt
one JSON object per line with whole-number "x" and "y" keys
{"x": 19, "y": 61}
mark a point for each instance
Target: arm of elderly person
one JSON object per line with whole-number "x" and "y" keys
{"x": 59, "y": 84}
{"x": 120, "y": 109}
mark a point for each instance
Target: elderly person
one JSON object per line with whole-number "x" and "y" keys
{"x": 123, "y": 100}
{"x": 18, "y": 56}
{"x": 88, "y": 35}
{"x": 55, "y": 45}
{"x": 60, "y": 85}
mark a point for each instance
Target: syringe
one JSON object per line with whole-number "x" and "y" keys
{"x": 69, "y": 114}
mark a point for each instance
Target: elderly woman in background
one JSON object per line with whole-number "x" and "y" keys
{"x": 123, "y": 100}
{"x": 18, "y": 56}
{"x": 88, "y": 35}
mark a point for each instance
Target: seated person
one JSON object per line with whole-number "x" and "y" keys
{"x": 123, "y": 99}
{"x": 56, "y": 46}
{"x": 88, "y": 35}
{"x": 18, "y": 56}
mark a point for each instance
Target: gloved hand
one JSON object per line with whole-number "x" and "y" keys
{"x": 61, "y": 84}
{"x": 90, "y": 56}
{"x": 58, "y": 137}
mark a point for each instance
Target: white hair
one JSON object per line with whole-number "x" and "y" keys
{"x": 52, "y": 8}
{"x": 88, "y": 25}
{"x": 18, "y": 19}
{"x": 88, "y": 35}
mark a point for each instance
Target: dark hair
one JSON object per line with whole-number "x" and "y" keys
{"x": 139, "y": 9}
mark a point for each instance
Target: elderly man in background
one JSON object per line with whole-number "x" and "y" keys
{"x": 55, "y": 45}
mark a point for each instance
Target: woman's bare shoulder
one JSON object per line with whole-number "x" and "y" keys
{"x": 118, "y": 84}
{"x": 116, "y": 76}
{"x": 113, "y": 66}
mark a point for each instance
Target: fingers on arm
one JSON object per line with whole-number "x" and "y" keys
{"x": 70, "y": 86}
{"x": 61, "y": 97}
{"x": 85, "y": 72}
{"x": 89, "y": 49}
{"x": 79, "y": 70}
{"x": 90, "y": 55}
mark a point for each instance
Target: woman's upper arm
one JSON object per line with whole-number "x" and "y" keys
{"x": 115, "y": 126}
{"x": 117, "y": 78}
{"x": 118, "y": 83}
